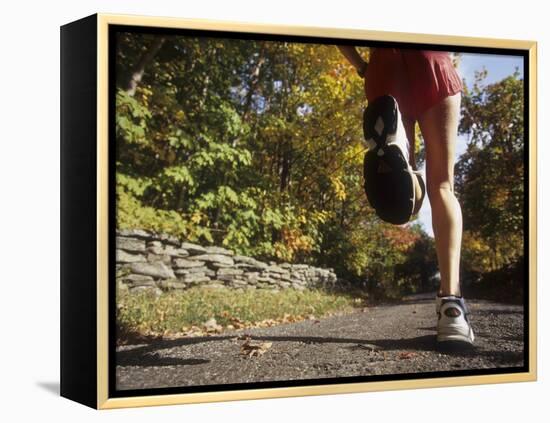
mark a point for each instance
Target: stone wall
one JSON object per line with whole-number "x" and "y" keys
{"x": 160, "y": 262}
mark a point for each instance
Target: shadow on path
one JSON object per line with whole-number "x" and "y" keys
{"x": 148, "y": 359}
{"x": 149, "y": 355}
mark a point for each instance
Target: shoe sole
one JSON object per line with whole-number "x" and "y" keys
{"x": 460, "y": 338}
{"x": 390, "y": 193}
{"x": 388, "y": 180}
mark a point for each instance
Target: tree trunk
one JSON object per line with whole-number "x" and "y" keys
{"x": 254, "y": 81}
{"x": 137, "y": 73}
{"x": 285, "y": 167}
{"x": 253, "y": 86}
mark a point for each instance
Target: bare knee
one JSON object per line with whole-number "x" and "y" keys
{"x": 440, "y": 190}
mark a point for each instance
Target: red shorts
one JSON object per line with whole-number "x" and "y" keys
{"x": 418, "y": 79}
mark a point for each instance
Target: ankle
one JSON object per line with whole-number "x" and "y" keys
{"x": 452, "y": 293}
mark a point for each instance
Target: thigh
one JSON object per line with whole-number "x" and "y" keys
{"x": 439, "y": 126}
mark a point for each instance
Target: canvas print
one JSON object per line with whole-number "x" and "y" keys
{"x": 305, "y": 211}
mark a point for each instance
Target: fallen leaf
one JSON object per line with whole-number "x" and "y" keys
{"x": 237, "y": 323}
{"x": 211, "y": 325}
{"x": 406, "y": 355}
{"x": 255, "y": 348}
{"x": 369, "y": 347}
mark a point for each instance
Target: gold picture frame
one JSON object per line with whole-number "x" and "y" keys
{"x": 86, "y": 317}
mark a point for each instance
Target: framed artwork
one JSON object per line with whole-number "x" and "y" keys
{"x": 256, "y": 211}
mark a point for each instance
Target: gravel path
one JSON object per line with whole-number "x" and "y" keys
{"x": 387, "y": 339}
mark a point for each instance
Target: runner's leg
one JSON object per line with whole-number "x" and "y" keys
{"x": 439, "y": 126}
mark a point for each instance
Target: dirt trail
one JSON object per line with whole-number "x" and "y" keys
{"x": 387, "y": 339}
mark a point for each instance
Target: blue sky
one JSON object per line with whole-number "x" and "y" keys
{"x": 498, "y": 67}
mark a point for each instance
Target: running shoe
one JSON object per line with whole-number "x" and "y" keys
{"x": 389, "y": 181}
{"x": 453, "y": 323}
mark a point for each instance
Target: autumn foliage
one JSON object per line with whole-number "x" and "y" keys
{"x": 258, "y": 145}
{"x": 491, "y": 184}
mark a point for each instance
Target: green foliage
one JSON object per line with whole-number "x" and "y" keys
{"x": 255, "y": 145}
{"x": 132, "y": 119}
{"x": 490, "y": 175}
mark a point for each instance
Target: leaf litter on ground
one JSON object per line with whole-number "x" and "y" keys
{"x": 251, "y": 348}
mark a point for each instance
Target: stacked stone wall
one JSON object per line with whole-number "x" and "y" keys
{"x": 160, "y": 262}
